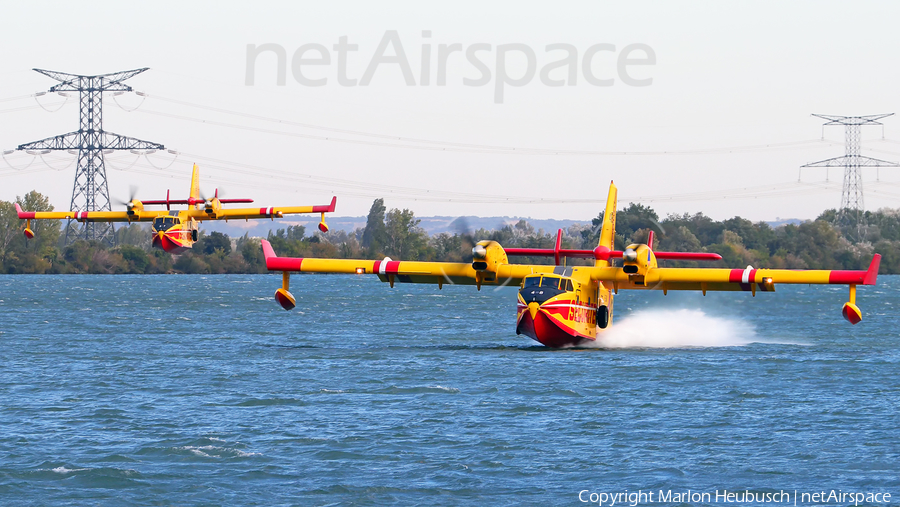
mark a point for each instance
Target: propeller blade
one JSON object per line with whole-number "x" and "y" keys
{"x": 132, "y": 192}
{"x": 461, "y": 227}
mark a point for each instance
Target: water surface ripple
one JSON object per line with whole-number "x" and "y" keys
{"x": 200, "y": 390}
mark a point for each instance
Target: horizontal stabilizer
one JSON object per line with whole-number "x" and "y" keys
{"x": 601, "y": 253}
{"x": 191, "y": 201}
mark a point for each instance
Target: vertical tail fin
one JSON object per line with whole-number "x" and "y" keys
{"x": 195, "y": 184}
{"x": 608, "y": 232}
{"x": 608, "y": 241}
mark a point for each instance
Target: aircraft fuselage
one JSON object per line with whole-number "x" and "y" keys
{"x": 174, "y": 233}
{"x": 562, "y": 311}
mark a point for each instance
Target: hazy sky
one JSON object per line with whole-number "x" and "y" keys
{"x": 723, "y": 115}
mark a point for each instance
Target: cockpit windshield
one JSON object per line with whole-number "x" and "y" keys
{"x": 551, "y": 282}
{"x": 165, "y": 223}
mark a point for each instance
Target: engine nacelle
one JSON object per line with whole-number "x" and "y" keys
{"x": 135, "y": 208}
{"x": 638, "y": 261}
{"x": 212, "y": 207}
{"x": 487, "y": 257}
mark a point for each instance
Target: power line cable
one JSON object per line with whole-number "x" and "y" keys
{"x": 357, "y": 189}
{"x": 437, "y": 145}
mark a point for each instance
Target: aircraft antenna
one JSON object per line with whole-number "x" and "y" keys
{"x": 90, "y": 191}
{"x": 852, "y": 210}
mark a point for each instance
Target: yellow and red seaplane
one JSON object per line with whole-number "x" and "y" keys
{"x": 177, "y": 230}
{"x": 563, "y": 306}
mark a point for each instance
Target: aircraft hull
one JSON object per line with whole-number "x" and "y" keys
{"x": 171, "y": 242}
{"x": 549, "y": 328}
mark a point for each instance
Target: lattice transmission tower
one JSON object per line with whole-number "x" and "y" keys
{"x": 90, "y": 191}
{"x": 852, "y": 210}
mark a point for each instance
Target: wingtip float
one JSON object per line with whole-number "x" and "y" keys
{"x": 850, "y": 311}
{"x": 561, "y": 306}
{"x": 176, "y": 231}
{"x": 27, "y": 216}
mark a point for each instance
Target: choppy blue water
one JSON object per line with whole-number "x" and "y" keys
{"x": 200, "y": 390}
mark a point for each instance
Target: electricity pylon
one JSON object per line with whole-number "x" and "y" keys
{"x": 853, "y": 207}
{"x": 90, "y": 191}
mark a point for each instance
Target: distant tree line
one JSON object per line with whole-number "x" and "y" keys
{"x": 823, "y": 243}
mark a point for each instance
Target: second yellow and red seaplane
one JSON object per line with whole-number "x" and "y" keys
{"x": 176, "y": 231}
{"x": 564, "y": 306}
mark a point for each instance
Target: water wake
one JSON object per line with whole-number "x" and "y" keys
{"x": 676, "y": 328}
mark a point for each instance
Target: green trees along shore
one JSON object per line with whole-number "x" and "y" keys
{"x": 822, "y": 243}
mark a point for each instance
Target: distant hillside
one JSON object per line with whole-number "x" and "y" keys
{"x": 785, "y": 221}
{"x": 432, "y": 225}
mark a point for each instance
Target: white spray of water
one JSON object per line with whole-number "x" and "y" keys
{"x": 676, "y": 328}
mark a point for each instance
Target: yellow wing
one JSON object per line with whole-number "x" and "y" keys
{"x": 387, "y": 270}
{"x": 747, "y": 279}
{"x": 490, "y": 266}
{"x": 137, "y": 215}
{"x": 214, "y": 212}
{"x": 665, "y": 279}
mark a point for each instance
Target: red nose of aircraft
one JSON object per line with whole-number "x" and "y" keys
{"x": 545, "y": 324}
{"x": 163, "y": 242}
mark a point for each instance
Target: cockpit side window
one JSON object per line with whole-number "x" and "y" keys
{"x": 569, "y": 286}
{"x": 531, "y": 281}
